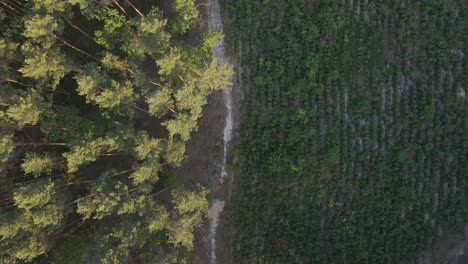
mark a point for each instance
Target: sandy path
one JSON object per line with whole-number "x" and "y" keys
{"x": 215, "y": 24}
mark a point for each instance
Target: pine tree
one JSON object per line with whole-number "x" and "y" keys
{"x": 37, "y": 164}
{"x": 170, "y": 62}
{"x": 88, "y": 151}
{"x": 190, "y": 209}
{"x": 27, "y": 109}
{"x": 41, "y": 29}
{"x": 185, "y": 13}
{"x": 35, "y": 194}
{"x": 154, "y": 39}
{"x": 160, "y": 102}
{"x": 47, "y": 65}
{"x": 182, "y": 125}
{"x": 108, "y": 193}
{"x": 114, "y": 62}
{"x": 80, "y": 81}
{"x": 146, "y": 171}
{"x": 8, "y": 55}
{"x": 147, "y": 147}
{"x": 174, "y": 152}
{"x": 190, "y": 98}
{"x": 116, "y": 31}
{"x": 67, "y": 124}
{"x": 7, "y": 145}
{"x": 215, "y": 76}
{"x": 95, "y": 84}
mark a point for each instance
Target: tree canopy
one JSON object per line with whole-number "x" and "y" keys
{"x": 80, "y": 81}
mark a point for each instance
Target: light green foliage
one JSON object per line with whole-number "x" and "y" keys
{"x": 46, "y": 64}
{"x": 117, "y": 95}
{"x": 153, "y": 22}
{"x": 89, "y": 85}
{"x": 191, "y": 202}
{"x": 158, "y": 219}
{"x": 148, "y": 150}
{"x": 182, "y": 125}
{"x": 135, "y": 203}
{"x": 37, "y": 164}
{"x": 7, "y": 145}
{"x": 146, "y": 171}
{"x": 27, "y": 109}
{"x": 88, "y": 151}
{"x": 85, "y": 206}
{"x": 24, "y": 230}
{"x": 51, "y": 214}
{"x": 147, "y": 147}
{"x": 108, "y": 192}
{"x": 91, "y": 80}
{"x": 34, "y": 194}
{"x": 41, "y": 29}
{"x": 191, "y": 207}
{"x": 159, "y": 101}
{"x": 95, "y": 85}
{"x": 30, "y": 248}
{"x": 114, "y": 255}
{"x": 169, "y": 62}
{"x": 192, "y": 99}
{"x": 215, "y": 76}
{"x": 8, "y": 226}
{"x": 181, "y": 233}
{"x": 209, "y": 40}
{"x": 153, "y": 37}
{"x": 116, "y": 32}
{"x": 175, "y": 150}
{"x": 112, "y": 61}
{"x": 185, "y": 13}
{"x": 50, "y": 5}
{"x": 129, "y": 235}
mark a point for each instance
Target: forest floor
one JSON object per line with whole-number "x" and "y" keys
{"x": 204, "y": 153}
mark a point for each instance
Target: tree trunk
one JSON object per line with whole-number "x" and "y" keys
{"x": 120, "y": 7}
{"x": 134, "y": 8}
{"x": 41, "y": 144}
{"x": 77, "y": 28}
{"x": 75, "y": 48}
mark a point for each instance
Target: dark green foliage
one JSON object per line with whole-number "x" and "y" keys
{"x": 67, "y": 124}
{"x": 353, "y": 147}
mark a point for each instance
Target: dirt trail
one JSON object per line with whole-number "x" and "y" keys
{"x": 208, "y": 156}
{"x": 215, "y": 24}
